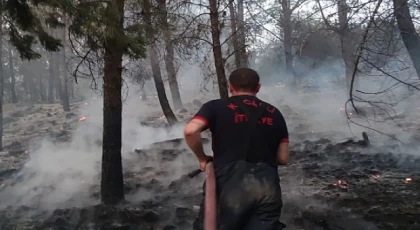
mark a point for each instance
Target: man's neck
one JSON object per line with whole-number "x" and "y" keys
{"x": 244, "y": 93}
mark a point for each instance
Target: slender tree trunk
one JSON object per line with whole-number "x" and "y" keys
{"x": 65, "y": 95}
{"x": 71, "y": 87}
{"x": 408, "y": 32}
{"x": 235, "y": 41}
{"x": 143, "y": 92}
{"x": 347, "y": 51}
{"x": 51, "y": 78}
{"x": 12, "y": 76}
{"x": 287, "y": 36}
{"x": 57, "y": 78}
{"x": 242, "y": 32}
{"x": 33, "y": 90}
{"x": 169, "y": 58}
{"x": 41, "y": 89}
{"x": 157, "y": 76}
{"x": 217, "y": 50}
{"x": 112, "y": 182}
{"x": 1, "y": 77}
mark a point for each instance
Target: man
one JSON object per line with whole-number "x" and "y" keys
{"x": 249, "y": 141}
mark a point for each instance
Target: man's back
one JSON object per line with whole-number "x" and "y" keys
{"x": 250, "y": 139}
{"x": 245, "y": 160}
{"x": 229, "y": 125}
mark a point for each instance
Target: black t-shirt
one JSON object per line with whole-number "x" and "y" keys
{"x": 228, "y": 125}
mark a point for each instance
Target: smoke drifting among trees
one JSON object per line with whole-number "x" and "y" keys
{"x": 134, "y": 71}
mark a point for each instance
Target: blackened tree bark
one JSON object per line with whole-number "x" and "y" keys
{"x": 217, "y": 50}
{"x": 408, "y": 32}
{"x": 157, "y": 76}
{"x": 235, "y": 41}
{"x": 64, "y": 90}
{"x": 112, "y": 183}
{"x": 51, "y": 77}
{"x": 170, "y": 56}
{"x": 12, "y": 76}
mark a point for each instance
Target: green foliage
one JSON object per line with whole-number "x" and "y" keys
{"x": 25, "y": 27}
{"x": 135, "y": 42}
{"x": 89, "y": 20}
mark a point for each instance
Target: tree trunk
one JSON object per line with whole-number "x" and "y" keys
{"x": 71, "y": 87}
{"x": 157, "y": 76}
{"x": 235, "y": 41}
{"x": 143, "y": 91}
{"x": 51, "y": 78}
{"x": 112, "y": 183}
{"x": 169, "y": 58}
{"x": 33, "y": 89}
{"x": 241, "y": 34}
{"x": 64, "y": 92}
{"x": 57, "y": 78}
{"x": 1, "y": 78}
{"x": 347, "y": 51}
{"x": 408, "y": 32}
{"x": 287, "y": 37}
{"x": 12, "y": 76}
{"x": 41, "y": 89}
{"x": 217, "y": 50}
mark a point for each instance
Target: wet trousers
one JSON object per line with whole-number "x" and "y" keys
{"x": 249, "y": 198}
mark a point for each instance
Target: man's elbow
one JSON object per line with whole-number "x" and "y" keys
{"x": 190, "y": 131}
{"x": 283, "y": 161}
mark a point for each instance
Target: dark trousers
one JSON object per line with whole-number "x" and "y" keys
{"x": 249, "y": 198}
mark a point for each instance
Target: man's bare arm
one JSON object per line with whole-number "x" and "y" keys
{"x": 283, "y": 153}
{"x": 192, "y": 133}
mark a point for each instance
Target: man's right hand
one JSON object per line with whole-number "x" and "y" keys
{"x": 204, "y": 162}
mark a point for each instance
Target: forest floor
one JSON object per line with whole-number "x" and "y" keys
{"x": 328, "y": 184}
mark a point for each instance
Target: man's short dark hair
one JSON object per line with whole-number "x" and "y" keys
{"x": 244, "y": 79}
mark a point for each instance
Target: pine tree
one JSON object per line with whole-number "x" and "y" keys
{"x": 101, "y": 26}
{"x": 18, "y": 20}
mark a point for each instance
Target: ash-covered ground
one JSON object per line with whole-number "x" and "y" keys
{"x": 49, "y": 172}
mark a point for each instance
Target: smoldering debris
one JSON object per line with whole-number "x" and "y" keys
{"x": 374, "y": 193}
{"x": 378, "y": 187}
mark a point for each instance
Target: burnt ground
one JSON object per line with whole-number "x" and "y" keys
{"x": 326, "y": 186}
{"x": 345, "y": 188}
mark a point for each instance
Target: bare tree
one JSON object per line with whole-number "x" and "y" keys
{"x": 217, "y": 49}
{"x": 235, "y": 39}
{"x": 347, "y": 50}
{"x": 241, "y": 29}
{"x": 169, "y": 57}
{"x": 287, "y": 34}
{"x": 154, "y": 60}
{"x": 347, "y": 39}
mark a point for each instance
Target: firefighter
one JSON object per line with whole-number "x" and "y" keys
{"x": 249, "y": 140}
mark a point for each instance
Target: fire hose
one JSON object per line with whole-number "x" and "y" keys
{"x": 210, "y": 206}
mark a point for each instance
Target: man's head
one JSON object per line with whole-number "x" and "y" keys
{"x": 244, "y": 81}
